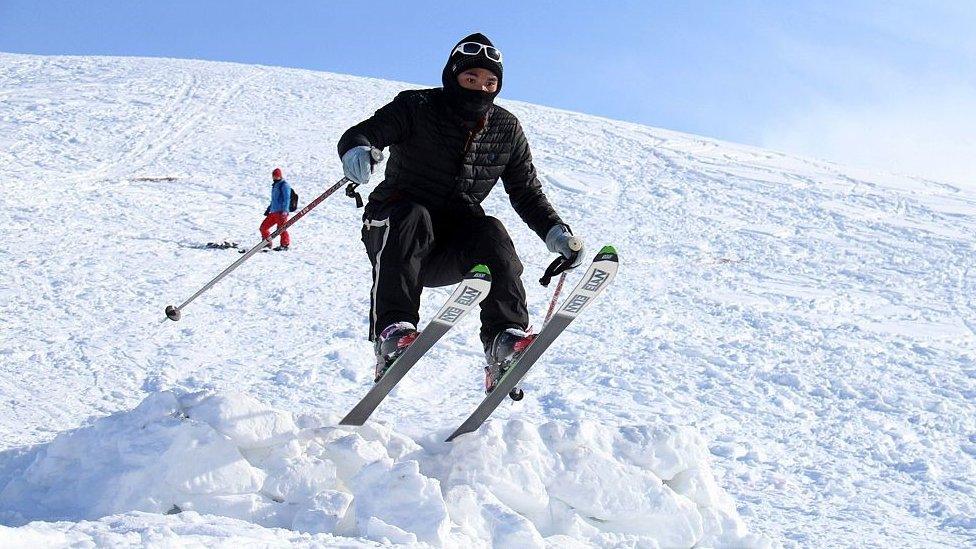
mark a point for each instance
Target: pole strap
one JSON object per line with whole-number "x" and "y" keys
{"x": 352, "y": 193}
{"x": 558, "y": 266}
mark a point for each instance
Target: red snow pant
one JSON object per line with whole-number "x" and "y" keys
{"x": 275, "y": 218}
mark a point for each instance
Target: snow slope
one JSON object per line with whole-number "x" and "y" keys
{"x": 812, "y": 324}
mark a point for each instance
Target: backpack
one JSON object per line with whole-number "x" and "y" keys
{"x": 293, "y": 204}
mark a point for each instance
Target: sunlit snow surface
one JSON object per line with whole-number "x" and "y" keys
{"x": 808, "y": 325}
{"x": 512, "y": 484}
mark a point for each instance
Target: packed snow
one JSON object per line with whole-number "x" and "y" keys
{"x": 512, "y": 484}
{"x": 787, "y": 355}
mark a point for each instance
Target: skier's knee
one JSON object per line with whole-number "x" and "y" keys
{"x": 506, "y": 261}
{"x": 505, "y": 265}
{"x": 495, "y": 228}
{"x": 515, "y": 266}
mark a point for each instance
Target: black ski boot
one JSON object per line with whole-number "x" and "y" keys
{"x": 391, "y": 343}
{"x": 503, "y": 351}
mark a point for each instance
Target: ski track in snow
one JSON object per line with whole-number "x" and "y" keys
{"x": 814, "y": 322}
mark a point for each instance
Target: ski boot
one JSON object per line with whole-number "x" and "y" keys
{"x": 392, "y": 343}
{"x": 503, "y": 351}
{"x": 282, "y": 248}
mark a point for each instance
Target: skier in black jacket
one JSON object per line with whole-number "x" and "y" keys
{"x": 424, "y": 225}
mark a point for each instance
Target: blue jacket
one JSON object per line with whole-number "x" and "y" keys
{"x": 280, "y": 197}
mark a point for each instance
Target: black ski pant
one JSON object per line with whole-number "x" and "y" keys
{"x": 410, "y": 249}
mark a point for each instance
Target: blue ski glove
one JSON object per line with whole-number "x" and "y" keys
{"x": 561, "y": 241}
{"x": 357, "y": 164}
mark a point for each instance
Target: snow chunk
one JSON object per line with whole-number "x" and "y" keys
{"x": 328, "y": 508}
{"x": 396, "y": 497}
{"x": 582, "y": 480}
{"x": 480, "y": 515}
{"x": 510, "y": 484}
{"x": 247, "y": 422}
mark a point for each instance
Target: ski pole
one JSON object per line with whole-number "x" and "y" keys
{"x": 555, "y": 296}
{"x": 174, "y": 313}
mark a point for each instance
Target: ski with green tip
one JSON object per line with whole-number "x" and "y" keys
{"x": 469, "y": 293}
{"x": 597, "y": 277}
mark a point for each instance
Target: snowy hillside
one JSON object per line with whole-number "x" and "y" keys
{"x": 788, "y": 352}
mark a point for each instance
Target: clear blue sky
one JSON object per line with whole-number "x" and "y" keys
{"x": 877, "y": 83}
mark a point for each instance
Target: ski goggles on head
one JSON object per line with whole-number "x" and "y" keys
{"x": 474, "y": 48}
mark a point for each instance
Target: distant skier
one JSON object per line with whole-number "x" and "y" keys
{"x": 424, "y": 226}
{"x": 277, "y": 212}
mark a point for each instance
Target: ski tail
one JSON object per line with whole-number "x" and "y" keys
{"x": 595, "y": 280}
{"x": 467, "y": 296}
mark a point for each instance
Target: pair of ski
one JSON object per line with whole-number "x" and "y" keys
{"x": 466, "y": 297}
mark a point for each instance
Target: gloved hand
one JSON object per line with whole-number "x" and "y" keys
{"x": 561, "y": 241}
{"x": 357, "y": 164}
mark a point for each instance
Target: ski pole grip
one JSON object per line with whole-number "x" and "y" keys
{"x": 574, "y": 244}
{"x": 561, "y": 264}
{"x": 558, "y": 265}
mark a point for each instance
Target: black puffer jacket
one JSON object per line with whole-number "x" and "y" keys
{"x": 436, "y": 161}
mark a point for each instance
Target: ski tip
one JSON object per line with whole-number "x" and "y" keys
{"x": 607, "y": 253}
{"x": 480, "y": 271}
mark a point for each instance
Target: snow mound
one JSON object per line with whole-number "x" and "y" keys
{"x": 510, "y": 484}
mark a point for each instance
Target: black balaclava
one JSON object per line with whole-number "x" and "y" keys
{"x": 469, "y": 104}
